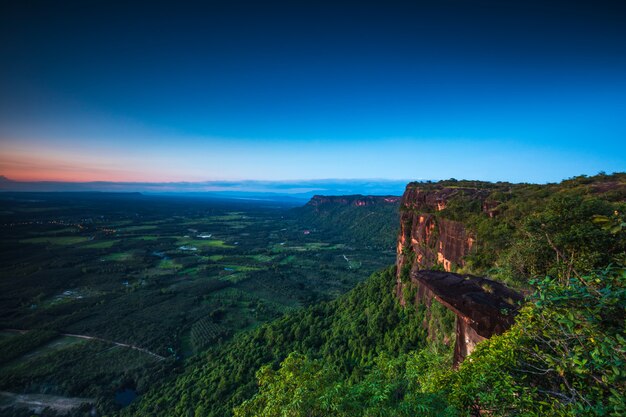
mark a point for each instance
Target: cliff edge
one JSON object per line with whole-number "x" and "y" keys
{"x": 427, "y": 239}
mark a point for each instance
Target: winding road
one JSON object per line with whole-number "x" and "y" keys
{"x": 38, "y": 402}
{"x": 140, "y": 349}
{"x": 82, "y": 336}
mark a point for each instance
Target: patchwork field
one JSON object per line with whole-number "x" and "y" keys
{"x": 95, "y": 289}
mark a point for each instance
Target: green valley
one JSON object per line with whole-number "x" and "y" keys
{"x": 155, "y": 306}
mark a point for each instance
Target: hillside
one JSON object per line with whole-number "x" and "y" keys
{"x": 371, "y": 221}
{"x": 364, "y": 354}
{"x": 423, "y": 337}
{"x": 349, "y": 334}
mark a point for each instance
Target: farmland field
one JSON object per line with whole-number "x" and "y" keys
{"x": 101, "y": 294}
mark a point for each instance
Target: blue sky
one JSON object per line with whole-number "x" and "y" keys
{"x": 519, "y": 91}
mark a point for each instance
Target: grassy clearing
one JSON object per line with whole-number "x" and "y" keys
{"x": 289, "y": 259}
{"x": 38, "y": 402}
{"x": 306, "y": 247}
{"x": 216, "y": 258}
{"x": 242, "y": 268}
{"x": 191, "y": 271}
{"x": 105, "y": 244}
{"x": 262, "y": 258}
{"x": 55, "y": 232}
{"x": 169, "y": 264}
{"x": 196, "y": 222}
{"x": 54, "y": 345}
{"x": 323, "y": 246}
{"x": 234, "y": 277}
{"x": 204, "y": 243}
{"x": 119, "y": 257}
{"x": 354, "y": 264}
{"x": 233, "y": 215}
{"x": 137, "y": 228}
{"x": 146, "y": 238}
{"x": 56, "y": 240}
{"x": 157, "y": 271}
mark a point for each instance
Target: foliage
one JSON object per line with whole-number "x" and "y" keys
{"x": 111, "y": 266}
{"x": 15, "y": 346}
{"x": 566, "y": 355}
{"x": 561, "y": 230}
{"x": 347, "y": 335}
{"x": 303, "y": 387}
{"x": 561, "y": 240}
{"x": 373, "y": 225}
{"x": 359, "y": 355}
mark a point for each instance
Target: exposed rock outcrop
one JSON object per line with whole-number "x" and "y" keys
{"x": 430, "y": 239}
{"x": 482, "y": 307}
{"x": 427, "y": 238}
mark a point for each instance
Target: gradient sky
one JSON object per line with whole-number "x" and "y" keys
{"x": 155, "y": 91}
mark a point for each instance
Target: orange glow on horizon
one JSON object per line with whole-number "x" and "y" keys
{"x": 18, "y": 166}
{"x": 53, "y": 176}
{"x": 82, "y": 176}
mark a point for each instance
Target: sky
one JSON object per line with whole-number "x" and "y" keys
{"x": 522, "y": 91}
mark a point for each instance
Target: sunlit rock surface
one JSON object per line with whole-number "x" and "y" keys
{"x": 482, "y": 307}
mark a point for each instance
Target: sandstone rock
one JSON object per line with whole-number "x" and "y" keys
{"x": 482, "y": 307}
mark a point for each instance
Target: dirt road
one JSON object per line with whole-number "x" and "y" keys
{"x": 140, "y": 349}
{"x": 37, "y": 402}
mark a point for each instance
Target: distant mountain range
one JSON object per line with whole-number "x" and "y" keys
{"x": 245, "y": 189}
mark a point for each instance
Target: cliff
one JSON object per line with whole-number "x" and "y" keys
{"x": 428, "y": 239}
{"x": 482, "y": 307}
{"x": 355, "y": 220}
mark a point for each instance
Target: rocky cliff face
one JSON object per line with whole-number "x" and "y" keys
{"x": 430, "y": 239}
{"x": 482, "y": 307}
{"x": 427, "y": 239}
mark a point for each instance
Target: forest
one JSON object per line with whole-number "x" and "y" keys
{"x": 253, "y": 327}
{"x": 365, "y": 355}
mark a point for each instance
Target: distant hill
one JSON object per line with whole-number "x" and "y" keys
{"x": 369, "y": 220}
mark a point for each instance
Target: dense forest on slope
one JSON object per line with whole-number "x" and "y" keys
{"x": 348, "y": 334}
{"x": 564, "y": 357}
{"x": 365, "y": 220}
{"x": 363, "y": 355}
